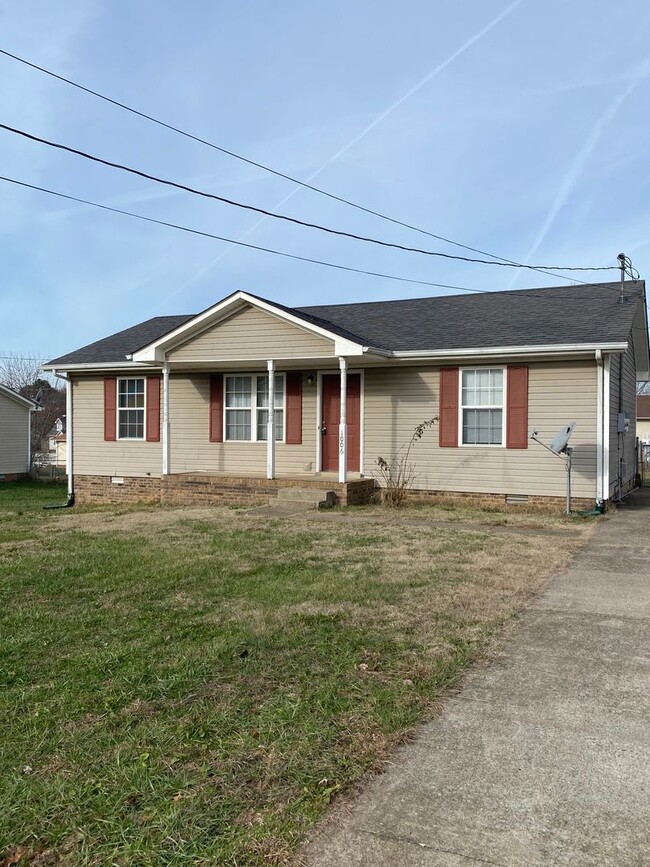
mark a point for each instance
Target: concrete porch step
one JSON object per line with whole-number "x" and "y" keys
{"x": 309, "y": 497}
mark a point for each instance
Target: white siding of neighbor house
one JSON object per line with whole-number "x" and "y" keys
{"x": 14, "y": 430}
{"x": 92, "y": 455}
{"x": 396, "y": 400}
{"x": 252, "y": 334}
{"x": 643, "y": 429}
{"x": 192, "y": 451}
{"x": 622, "y": 446}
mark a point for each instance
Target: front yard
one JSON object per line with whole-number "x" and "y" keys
{"x": 196, "y": 686}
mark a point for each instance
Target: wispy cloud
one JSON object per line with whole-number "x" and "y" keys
{"x": 581, "y": 159}
{"x": 472, "y": 40}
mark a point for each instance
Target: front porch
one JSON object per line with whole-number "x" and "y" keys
{"x": 216, "y": 489}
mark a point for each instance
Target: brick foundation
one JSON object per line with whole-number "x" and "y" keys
{"x": 13, "y": 477}
{"x": 100, "y": 489}
{"x": 533, "y": 502}
{"x": 192, "y": 489}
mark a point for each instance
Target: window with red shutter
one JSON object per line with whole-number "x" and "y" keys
{"x": 153, "y": 409}
{"x": 110, "y": 408}
{"x": 517, "y": 410}
{"x": 216, "y": 408}
{"x": 294, "y": 408}
{"x": 448, "y": 424}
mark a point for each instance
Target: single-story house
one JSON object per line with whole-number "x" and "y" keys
{"x": 15, "y": 434}
{"x": 177, "y": 407}
{"x": 643, "y": 417}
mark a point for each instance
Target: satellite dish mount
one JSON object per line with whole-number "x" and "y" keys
{"x": 559, "y": 446}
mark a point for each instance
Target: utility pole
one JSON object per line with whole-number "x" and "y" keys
{"x": 622, "y": 259}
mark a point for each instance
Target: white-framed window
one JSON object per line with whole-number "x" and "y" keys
{"x": 482, "y": 406}
{"x": 130, "y": 409}
{"x": 246, "y": 407}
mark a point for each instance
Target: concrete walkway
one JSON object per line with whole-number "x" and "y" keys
{"x": 543, "y": 758}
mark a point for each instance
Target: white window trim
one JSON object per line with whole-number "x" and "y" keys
{"x": 254, "y": 408}
{"x": 503, "y": 408}
{"x": 118, "y": 410}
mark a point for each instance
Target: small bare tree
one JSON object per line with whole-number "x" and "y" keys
{"x": 398, "y": 474}
{"x": 19, "y": 371}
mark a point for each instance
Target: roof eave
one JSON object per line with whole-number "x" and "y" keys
{"x": 512, "y": 351}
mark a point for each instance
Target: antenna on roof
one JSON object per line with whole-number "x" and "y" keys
{"x": 559, "y": 446}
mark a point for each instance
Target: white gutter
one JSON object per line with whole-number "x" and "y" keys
{"x": 545, "y": 349}
{"x": 599, "y": 428}
{"x": 99, "y": 366}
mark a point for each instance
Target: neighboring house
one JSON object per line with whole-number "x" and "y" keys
{"x": 15, "y": 434}
{"x": 56, "y": 444}
{"x": 176, "y": 408}
{"x": 643, "y": 417}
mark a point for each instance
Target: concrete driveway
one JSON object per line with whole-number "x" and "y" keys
{"x": 542, "y": 759}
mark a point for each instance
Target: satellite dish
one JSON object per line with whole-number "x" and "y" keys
{"x": 561, "y": 439}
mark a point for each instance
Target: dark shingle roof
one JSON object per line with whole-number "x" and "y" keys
{"x": 116, "y": 347}
{"x": 526, "y": 317}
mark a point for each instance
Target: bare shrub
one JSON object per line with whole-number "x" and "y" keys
{"x": 398, "y": 473}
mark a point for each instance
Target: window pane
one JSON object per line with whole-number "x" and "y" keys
{"x": 131, "y": 424}
{"x": 262, "y": 421}
{"x": 238, "y": 391}
{"x": 482, "y": 387}
{"x": 482, "y": 426}
{"x": 131, "y": 393}
{"x": 238, "y": 424}
{"x": 263, "y": 391}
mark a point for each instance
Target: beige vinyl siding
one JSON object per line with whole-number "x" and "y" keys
{"x": 14, "y": 431}
{"x": 92, "y": 455}
{"x": 252, "y": 334}
{"x": 192, "y": 451}
{"x": 622, "y": 446}
{"x": 396, "y": 400}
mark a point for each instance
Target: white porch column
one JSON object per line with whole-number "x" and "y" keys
{"x": 166, "y": 450}
{"x": 69, "y": 434}
{"x": 343, "y": 423}
{"x": 270, "y": 427}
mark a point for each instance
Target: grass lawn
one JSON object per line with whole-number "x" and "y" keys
{"x": 195, "y": 686}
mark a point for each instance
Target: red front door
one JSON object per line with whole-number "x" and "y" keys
{"x": 330, "y": 422}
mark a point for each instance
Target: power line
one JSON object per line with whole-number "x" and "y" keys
{"x": 276, "y": 172}
{"x": 238, "y": 243}
{"x": 286, "y": 217}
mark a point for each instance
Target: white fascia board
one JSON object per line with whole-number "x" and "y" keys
{"x": 155, "y": 351}
{"x": 492, "y": 351}
{"x": 97, "y": 367}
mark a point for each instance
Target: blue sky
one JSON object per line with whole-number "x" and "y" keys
{"x": 517, "y": 127}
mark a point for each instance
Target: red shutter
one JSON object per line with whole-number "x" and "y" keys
{"x": 216, "y": 408}
{"x": 153, "y": 409}
{"x": 448, "y": 407}
{"x": 517, "y": 418}
{"x": 110, "y": 408}
{"x": 294, "y": 408}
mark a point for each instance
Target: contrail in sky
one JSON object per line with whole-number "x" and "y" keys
{"x": 580, "y": 161}
{"x": 357, "y": 138}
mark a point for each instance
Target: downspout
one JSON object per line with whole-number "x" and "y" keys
{"x": 29, "y": 440}
{"x": 599, "y": 430}
{"x": 68, "y": 442}
{"x": 166, "y": 452}
{"x": 619, "y": 457}
{"x": 607, "y": 361}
